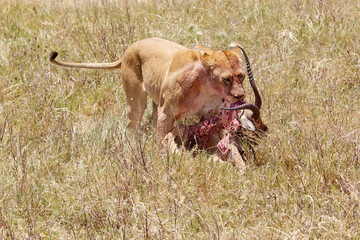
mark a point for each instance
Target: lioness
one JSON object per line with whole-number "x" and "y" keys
{"x": 182, "y": 82}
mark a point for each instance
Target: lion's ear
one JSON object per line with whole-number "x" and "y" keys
{"x": 206, "y": 53}
{"x": 205, "y": 56}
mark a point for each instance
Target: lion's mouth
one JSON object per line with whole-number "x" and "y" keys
{"x": 241, "y": 104}
{"x": 232, "y": 101}
{"x": 237, "y": 103}
{"x": 229, "y": 104}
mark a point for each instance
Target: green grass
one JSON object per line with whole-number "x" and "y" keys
{"x": 69, "y": 168}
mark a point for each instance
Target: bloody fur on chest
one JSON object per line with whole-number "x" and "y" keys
{"x": 197, "y": 97}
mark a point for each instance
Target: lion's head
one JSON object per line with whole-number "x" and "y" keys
{"x": 226, "y": 73}
{"x": 255, "y": 108}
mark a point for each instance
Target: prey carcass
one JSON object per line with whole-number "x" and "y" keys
{"x": 224, "y": 135}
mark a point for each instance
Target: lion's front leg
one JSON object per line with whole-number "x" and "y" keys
{"x": 165, "y": 123}
{"x": 173, "y": 140}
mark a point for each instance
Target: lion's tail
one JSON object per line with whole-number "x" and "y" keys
{"x": 112, "y": 65}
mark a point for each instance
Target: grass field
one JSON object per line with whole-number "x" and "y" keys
{"x": 69, "y": 168}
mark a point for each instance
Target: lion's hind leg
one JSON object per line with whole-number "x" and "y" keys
{"x": 135, "y": 96}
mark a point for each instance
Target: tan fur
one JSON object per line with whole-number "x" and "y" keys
{"x": 182, "y": 82}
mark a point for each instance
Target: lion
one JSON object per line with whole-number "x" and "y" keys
{"x": 181, "y": 82}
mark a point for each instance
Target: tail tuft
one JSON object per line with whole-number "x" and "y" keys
{"x": 53, "y": 55}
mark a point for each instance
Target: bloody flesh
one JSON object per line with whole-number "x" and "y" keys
{"x": 199, "y": 134}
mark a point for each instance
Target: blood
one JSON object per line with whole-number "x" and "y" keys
{"x": 198, "y": 135}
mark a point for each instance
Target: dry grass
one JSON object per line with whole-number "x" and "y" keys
{"x": 69, "y": 169}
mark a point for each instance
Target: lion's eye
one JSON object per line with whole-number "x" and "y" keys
{"x": 227, "y": 79}
{"x": 241, "y": 77}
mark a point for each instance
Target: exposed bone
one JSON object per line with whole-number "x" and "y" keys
{"x": 246, "y": 123}
{"x": 236, "y": 157}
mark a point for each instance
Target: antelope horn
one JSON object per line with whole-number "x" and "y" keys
{"x": 251, "y": 107}
{"x": 251, "y": 79}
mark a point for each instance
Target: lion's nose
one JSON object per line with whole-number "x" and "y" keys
{"x": 239, "y": 96}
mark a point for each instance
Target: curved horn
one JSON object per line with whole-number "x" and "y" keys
{"x": 251, "y": 107}
{"x": 251, "y": 79}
